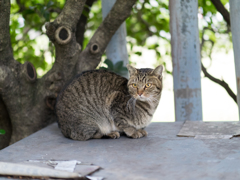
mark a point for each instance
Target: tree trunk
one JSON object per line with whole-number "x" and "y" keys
{"x": 30, "y": 101}
{"x": 5, "y": 124}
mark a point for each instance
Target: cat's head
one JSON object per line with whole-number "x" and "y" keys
{"x": 145, "y": 84}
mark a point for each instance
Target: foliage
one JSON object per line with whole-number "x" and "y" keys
{"x": 149, "y": 18}
{"x": 117, "y": 68}
{"x": 213, "y": 29}
{"x": 147, "y": 28}
{"x": 27, "y": 31}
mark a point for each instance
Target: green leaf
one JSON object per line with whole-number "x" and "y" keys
{"x": 42, "y": 10}
{"x": 46, "y": 15}
{"x": 85, "y": 13}
{"x": 109, "y": 64}
{"x": 138, "y": 53}
{"x": 124, "y": 69}
{"x": 118, "y": 66}
{"x": 49, "y": 4}
{"x": 2, "y": 131}
{"x": 104, "y": 68}
{"x": 28, "y": 11}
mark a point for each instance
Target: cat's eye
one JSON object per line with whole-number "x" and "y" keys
{"x": 148, "y": 85}
{"x": 134, "y": 85}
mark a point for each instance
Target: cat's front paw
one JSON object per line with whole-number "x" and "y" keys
{"x": 114, "y": 135}
{"x": 139, "y": 133}
{"x": 133, "y": 133}
{"x": 143, "y": 132}
{"x": 136, "y": 135}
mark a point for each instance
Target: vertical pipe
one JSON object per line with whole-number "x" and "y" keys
{"x": 235, "y": 28}
{"x": 186, "y": 59}
{"x": 116, "y": 50}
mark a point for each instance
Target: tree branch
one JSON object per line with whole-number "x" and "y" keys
{"x": 91, "y": 56}
{"x": 81, "y": 25}
{"x": 70, "y": 14}
{"x": 220, "y": 82}
{"x": 62, "y": 33}
{"x": 206, "y": 74}
{"x": 62, "y": 29}
{"x": 224, "y": 12}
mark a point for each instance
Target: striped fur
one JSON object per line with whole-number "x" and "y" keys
{"x": 98, "y": 103}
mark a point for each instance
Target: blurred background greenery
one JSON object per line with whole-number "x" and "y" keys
{"x": 147, "y": 30}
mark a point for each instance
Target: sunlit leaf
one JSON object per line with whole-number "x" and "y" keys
{"x": 138, "y": 53}
{"x": 109, "y": 64}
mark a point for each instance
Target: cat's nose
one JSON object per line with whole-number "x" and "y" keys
{"x": 140, "y": 92}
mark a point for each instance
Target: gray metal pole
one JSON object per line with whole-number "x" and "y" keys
{"x": 235, "y": 28}
{"x": 186, "y": 59}
{"x": 116, "y": 50}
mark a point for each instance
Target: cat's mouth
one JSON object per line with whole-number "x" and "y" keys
{"x": 140, "y": 97}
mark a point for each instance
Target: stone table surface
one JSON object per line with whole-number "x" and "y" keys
{"x": 161, "y": 156}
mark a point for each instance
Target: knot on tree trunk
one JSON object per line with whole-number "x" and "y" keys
{"x": 63, "y": 35}
{"x": 94, "y": 49}
{"x": 29, "y": 72}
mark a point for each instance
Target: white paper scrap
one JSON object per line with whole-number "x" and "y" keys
{"x": 94, "y": 178}
{"x": 29, "y": 170}
{"x": 66, "y": 165}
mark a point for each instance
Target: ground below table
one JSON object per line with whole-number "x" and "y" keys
{"x": 161, "y": 156}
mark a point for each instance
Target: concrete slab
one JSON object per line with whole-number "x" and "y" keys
{"x": 161, "y": 155}
{"x": 211, "y": 129}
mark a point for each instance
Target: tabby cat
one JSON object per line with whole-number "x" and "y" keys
{"x": 100, "y": 103}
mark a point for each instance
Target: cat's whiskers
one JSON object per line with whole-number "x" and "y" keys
{"x": 155, "y": 99}
{"x": 152, "y": 99}
{"x": 149, "y": 101}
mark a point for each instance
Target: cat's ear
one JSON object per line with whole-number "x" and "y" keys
{"x": 158, "y": 71}
{"x": 131, "y": 70}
